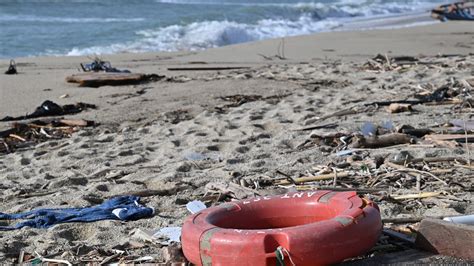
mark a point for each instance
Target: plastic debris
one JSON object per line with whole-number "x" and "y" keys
{"x": 195, "y": 206}
{"x": 167, "y": 235}
{"x": 466, "y": 219}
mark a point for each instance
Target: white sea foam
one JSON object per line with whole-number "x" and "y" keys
{"x": 313, "y": 17}
{"x": 208, "y": 34}
{"x": 32, "y": 18}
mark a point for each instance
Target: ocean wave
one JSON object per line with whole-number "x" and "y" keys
{"x": 310, "y": 17}
{"x": 30, "y": 18}
{"x": 209, "y": 34}
{"x": 340, "y": 8}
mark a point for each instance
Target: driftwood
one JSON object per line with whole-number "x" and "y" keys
{"x": 456, "y": 137}
{"x": 421, "y": 195}
{"x": 381, "y": 141}
{"x": 110, "y": 78}
{"x": 205, "y": 68}
{"x": 313, "y": 178}
{"x": 399, "y": 108}
{"x": 446, "y": 238}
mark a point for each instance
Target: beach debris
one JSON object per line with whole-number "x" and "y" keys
{"x": 50, "y": 108}
{"x": 466, "y": 219}
{"x": 306, "y": 179}
{"x": 125, "y": 208}
{"x": 463, "y": 138}
{"x": 11, "y": 68}
{"x": 163, "y": 236}
{"x": 168, "y": 235}
{"x": 231, "y": 190}
{"x": 399, "y": 108}
{"x": 446, "y": 238}
{"x": 454, "y": 11}
{"x": 239, "y": 99}
{"x": 195, "y": 206}
{"x": 206, "y": 68}
{"x": 26, "y": 134}
{"x": 55, "y": 261}
{"x": 177, "y": 116}
{"x": 173, "y": 255}
{"x": 100, "y": 65}
{"x": 144, "y": 235}
{"x": 96, "y": 79}
{"x": 381, "y": 141}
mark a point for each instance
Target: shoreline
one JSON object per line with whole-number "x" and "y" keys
{"x": 45, "y": 75}
{"x": 374, "y": 22}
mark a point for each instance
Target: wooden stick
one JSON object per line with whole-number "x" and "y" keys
{"x": 205, "y": 68}
{"x": 17, "y": 137}
{"x": 421, "y": 195}
{"x": 314, "y": 178}
{"x": 329, "y": 125}
{"x": 358, "y": 190}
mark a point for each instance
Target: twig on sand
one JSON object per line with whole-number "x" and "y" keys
{"x": 416, "y": 196}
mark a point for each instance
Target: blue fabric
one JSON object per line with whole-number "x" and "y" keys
{"x": 459, "y": 15}
{"x": 125, "y": 208}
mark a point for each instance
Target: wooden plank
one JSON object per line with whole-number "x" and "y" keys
{"x": 102, "y": 79}
{"x": 446, "y": 238}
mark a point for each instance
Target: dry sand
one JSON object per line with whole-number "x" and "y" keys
{"x": 169, "y": 136}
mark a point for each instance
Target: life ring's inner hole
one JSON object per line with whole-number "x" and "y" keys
{"x": 259, "y": 216}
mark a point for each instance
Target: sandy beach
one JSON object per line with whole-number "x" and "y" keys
{"x": 191, "y": 134}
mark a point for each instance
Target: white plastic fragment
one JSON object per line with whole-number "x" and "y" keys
{"x": 166, "y": 235}
{"x": 195, "y": 206}
{"x": 466, "y": 219}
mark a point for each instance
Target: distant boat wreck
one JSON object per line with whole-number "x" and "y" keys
{"x": 455, "y": 11}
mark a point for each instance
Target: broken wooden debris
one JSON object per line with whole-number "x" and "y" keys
{"x": 239, "y": 99}
{"x": 112, "y": 79}
{"x": 446, "y": 238}
{"x": 305, "y": 179}
{"x": 399, "y": 108}
{"x": 26, "y": 134}
{"x": 421, "y": 195}
{"x": 463, "y": 138}
{"x": 382, "y": 140}
{"x": 206, "y": 68}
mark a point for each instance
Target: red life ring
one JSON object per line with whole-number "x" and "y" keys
{"x": 303, "y": 228}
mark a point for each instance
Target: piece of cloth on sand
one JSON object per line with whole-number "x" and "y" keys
{"x": 125, "y": 208}
{"x": 49, "y": 108}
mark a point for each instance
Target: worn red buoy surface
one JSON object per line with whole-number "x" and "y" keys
{"x": 303, "y": 228}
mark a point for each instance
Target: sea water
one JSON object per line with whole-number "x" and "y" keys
{"x": 88, "y": 27}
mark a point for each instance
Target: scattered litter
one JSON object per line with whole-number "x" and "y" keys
{"x": 466, "y": 219}
{"x": 99, "y": 65}
{"x": 99, "y": 79}
{"x": 49, "y": 108}
{"x": 446, "y": 238}
{"x": 399, "y": 108}
{"x": 195, "y": 206}
{"x": 12, "y": 68}
{"x": 167, "y": 235}
{"x": 27, "y": 134}
{"x": 125, "y": 208}
{"x": 454, "y": 11}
